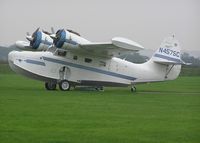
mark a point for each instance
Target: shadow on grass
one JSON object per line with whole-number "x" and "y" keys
{"x": 166, "y": 92}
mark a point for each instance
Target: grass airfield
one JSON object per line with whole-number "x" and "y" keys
{"x": 167, "y": 112}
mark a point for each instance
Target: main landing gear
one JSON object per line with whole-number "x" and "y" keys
{"x": 50, "y": 85}
{"x": 100, "y": 88}
{"x": 64, "y": 85}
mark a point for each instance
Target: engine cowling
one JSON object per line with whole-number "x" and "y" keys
{"x": 38, "y": 41}
{"x": 65, "y": 39}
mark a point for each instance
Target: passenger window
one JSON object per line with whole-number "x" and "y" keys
{"x": 62, "y": 53}
{"x": 102, "y": 63}
{"x": 75, "y": 57}
{"x": 87, "y": 60}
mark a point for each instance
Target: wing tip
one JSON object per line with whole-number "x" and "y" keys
{"x": 126, "y": 44}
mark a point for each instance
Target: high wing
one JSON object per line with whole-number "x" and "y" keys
{"x": 116, "y": 47}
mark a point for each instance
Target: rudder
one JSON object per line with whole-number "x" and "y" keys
{"x": 169, "y": 52}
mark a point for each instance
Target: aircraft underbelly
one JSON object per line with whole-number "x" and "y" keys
{"x": 45, "y": 69}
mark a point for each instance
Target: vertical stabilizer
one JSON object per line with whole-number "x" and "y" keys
{"x": 169, "y": 52}
{"x": 169, "y": 57}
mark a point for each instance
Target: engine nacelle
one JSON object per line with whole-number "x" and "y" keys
{"x": 38, "y": 41}
{"x": 41, "y": 41}
{"x": 67, "y": 39}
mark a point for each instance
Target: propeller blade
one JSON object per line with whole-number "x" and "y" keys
{"x": 28, "y": 34}
{"x": 52, "y": 30}
{"x": 35, "y": 31}
{"x": 69, "y": 30}
{"x": 59, "y": 32}
{"x": 53, "y": 36}
{"x": 46, "y": 32}
{"x": 29, "y": 38}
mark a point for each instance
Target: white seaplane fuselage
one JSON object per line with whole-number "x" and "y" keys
{"x": 83, "y": 70}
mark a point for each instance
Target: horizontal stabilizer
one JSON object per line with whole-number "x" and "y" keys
{"x": 181, "y": 62}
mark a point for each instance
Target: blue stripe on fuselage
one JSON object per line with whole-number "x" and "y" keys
{"x": 35, "y": 62}
{"x": 167, "y": 58}
{"x": 89, "y": 68}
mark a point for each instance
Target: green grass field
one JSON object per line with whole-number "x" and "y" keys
{"x": 156, "y": 113}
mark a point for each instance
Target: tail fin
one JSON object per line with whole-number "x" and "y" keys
{"x": 169, "y": 52}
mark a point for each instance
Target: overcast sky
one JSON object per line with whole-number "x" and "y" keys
{"x": 147, "y": 22}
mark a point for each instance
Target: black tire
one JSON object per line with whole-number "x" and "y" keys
{"x": 50, "y": 85}
{"x": 133, "y": 89}
{"x": 64, "y": 85}
{"x": 100, "y": 88}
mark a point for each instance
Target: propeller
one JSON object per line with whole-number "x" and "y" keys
{"x": 62, "y": 36}
{"x": 39, "y": 37}
{"x": 33, "y": 36}
{"x": 56, "y": 36}
{"x": 29, "y": 38}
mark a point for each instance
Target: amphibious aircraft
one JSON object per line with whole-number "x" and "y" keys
{"x": 67, "y": 59}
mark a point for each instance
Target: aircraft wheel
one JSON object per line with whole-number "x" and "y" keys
{"x": 64, "y": 85}
{"x": 133, "y": 89}
{"x": 99, "y": 88}
{"x": 50, "y": 85}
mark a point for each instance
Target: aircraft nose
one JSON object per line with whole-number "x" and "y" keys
{"x": 11, "y": 59}
{"x": 11, "y": 56}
